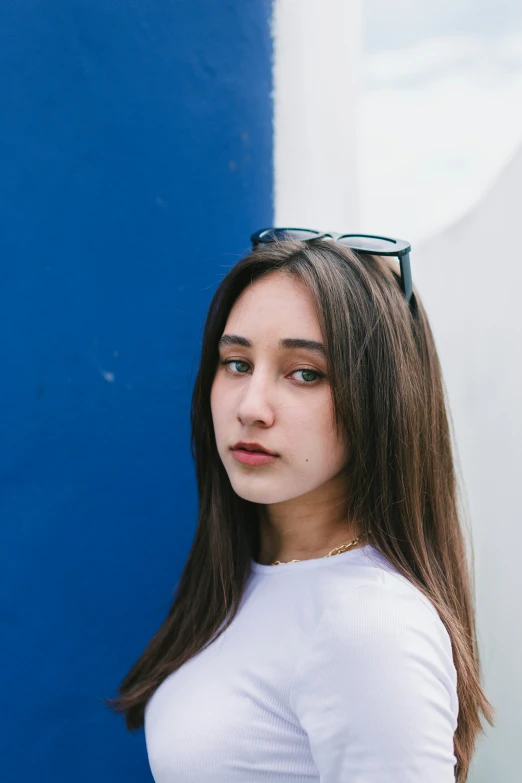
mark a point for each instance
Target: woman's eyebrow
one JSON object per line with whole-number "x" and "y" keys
{"x": 286, "y": 342}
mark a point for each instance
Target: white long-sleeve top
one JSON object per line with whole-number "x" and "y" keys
{"x": 334, "y": 670}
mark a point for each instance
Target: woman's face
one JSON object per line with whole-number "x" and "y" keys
{"x": 274, "y": 395}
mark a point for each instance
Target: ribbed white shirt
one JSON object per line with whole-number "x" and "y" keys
{"x": 334, "y": 670}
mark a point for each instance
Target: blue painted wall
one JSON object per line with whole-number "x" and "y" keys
{"x": 135, "y": 160}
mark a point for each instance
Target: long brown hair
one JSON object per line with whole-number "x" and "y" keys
{"x": 390, "y": 403}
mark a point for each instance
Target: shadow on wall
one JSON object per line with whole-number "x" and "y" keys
{"x": 470, "y": 278}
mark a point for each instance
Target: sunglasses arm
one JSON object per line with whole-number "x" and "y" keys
{"x": 406, "y": 281}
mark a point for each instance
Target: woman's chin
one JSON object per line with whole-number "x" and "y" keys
{"x": 266, "y": 495}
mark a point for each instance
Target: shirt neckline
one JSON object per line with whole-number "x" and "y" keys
{"x": 316, "y": 562}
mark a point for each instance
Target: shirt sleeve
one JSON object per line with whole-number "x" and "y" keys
{"x": 375, "y": 689}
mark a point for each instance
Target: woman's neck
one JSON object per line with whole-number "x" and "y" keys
{"x": 305, "y": 528}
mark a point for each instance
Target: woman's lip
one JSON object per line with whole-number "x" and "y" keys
{"x": 253, "y": 457}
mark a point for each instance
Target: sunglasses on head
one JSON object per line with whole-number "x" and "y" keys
{"x": 360, "y": 243}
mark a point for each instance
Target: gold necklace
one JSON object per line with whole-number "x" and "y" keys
{"x": 336, "y": 551}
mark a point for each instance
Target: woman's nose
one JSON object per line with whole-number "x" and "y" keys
{"x": 256, "y": 403}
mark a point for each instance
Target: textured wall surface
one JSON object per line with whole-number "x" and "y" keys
{"x": 135, "y": 160}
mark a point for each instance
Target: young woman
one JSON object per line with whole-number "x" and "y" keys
{"x": 323, "y": 625}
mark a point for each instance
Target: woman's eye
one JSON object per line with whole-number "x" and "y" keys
{"x": 234, "y": 361}
{"x": 306, "y": 372}
{"x": 308, "y": 380}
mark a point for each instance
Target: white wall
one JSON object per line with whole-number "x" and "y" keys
{"x": 317, "y": 47}
{"x": 470, "y": 278}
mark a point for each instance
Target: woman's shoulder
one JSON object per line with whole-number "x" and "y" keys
{"x": 377, "y": 623}
{"x": 374, "y": 601}
{"x": 379, "y": 663}
{"x": 383, "y": 584}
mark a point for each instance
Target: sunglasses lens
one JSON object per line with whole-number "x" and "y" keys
{"x": 370, "y": 244}
{"x": 287, "y": 233}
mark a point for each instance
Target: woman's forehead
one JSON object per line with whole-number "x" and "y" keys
{"x": 276, "y": 298}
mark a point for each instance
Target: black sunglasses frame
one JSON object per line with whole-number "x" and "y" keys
{"x": 401, "y": 248}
